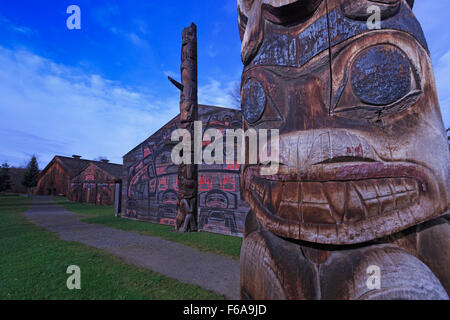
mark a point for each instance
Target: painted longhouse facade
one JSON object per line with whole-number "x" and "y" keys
{"x": 80, "y": 180}
{"x": 96, "y": 183}
{"x": 150, "y": 184}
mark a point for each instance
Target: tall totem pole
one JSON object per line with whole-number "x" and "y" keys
{"x": 186, "y": 220}
{"x": 355, "y": 211}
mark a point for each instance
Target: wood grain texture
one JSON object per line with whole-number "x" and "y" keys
{"x": 186, "y": 219}
{"x": 363, "y": 149}
{"x": 150, "y": 184}
{"x": 93, "y": 185}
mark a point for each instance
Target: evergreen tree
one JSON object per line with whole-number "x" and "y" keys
{"x": 31, "y": 175}
{"x": 5, "y": 178}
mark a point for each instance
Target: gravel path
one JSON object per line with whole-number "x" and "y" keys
{"x": 212, "y": 272}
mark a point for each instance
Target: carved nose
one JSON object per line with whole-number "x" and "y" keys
{"x": 308, "y": 105}
{"x": 254, "y": 33}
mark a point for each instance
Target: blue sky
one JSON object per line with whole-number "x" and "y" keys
{"x": 101, "y": 90}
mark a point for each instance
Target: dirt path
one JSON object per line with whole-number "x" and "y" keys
{"x": 212, "y": 272}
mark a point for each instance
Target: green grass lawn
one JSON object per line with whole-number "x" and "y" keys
{"x": 204, "y": 241}
{"x": 33, "y": 264}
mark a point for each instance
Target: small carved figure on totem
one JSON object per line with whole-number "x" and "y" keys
{"x": 364, "y": 162}
{"x": 188, "y": 221}
{"x": 188, "y": 97}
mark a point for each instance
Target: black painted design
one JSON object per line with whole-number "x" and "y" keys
{"x": 253, "y": 101}
{"x": 286, "y": 50}
{"x": 151, "y": 181}
{"x": 381, "y": 75}
{"x": 282, "y": 49}
{"x": 343, "y": 28}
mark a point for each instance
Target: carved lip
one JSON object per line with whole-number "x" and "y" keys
{"x": 345, "y": 171}
{"x": 349, "y": 202}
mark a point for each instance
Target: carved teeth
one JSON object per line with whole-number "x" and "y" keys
{"x": 334, "y": 202}
{"x": 355, "y": 208}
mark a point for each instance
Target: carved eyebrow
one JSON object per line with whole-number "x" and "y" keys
{"x": 242, "y": 23}
{"x": 306, "y": 7}
{"x": 317, "y": 33}
{"x": 242, "y": 16}
{"x": 290, "y": 13}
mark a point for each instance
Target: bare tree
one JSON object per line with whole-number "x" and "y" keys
{"x": 235, "y": 95}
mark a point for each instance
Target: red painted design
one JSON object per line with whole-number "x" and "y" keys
{"x": 152, "y": 186}
{"x": 233, "y": 166}
{"x": 132, "y": 213}
{"x": 147, "y": 152}
{"x": 163, "y": 184}
{"x": 205, "y": 183}
{"x": 168, "y": 222}
{"x": 218, "y": 190}
{"x": 175, "y": 183}
{"x": 160, "y": 170}
{"x": 228, "y": 183}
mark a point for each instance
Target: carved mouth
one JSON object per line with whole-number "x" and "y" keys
{"x": 341, "y": 202}
{"x": 335, "y": 202}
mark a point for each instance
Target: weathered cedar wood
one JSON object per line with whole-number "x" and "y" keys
{"x": 364, "y": 160}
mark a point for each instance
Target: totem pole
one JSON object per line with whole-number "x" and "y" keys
{"x": 186, "y": 220}
{"x": 355, "y": 210}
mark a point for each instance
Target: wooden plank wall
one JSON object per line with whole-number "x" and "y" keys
{"x": 150, "y": 181}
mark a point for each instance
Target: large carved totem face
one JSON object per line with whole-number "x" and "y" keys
{"x": 363, "y": 150}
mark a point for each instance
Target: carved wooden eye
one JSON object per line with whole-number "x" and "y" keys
{"x": 253, "y": 100}
{"x": 381, "y": 75}
{"x": 380, "y": 80}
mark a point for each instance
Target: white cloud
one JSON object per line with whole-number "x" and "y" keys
{"x": 212, "y": 52}
{"x": 132, "y": 37}
{"x": 136, "y": 40}
{"x": 142, "y": 26}
{"x": 213, "y": 92}
{"x": 216, "y": 93}
{"x": 433, "y": 16}
{"x": 16, "y": 28}
{"x": 171, "y": 74}
{"x": 48, "y": 108}
{"x": 442, "y": 72}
